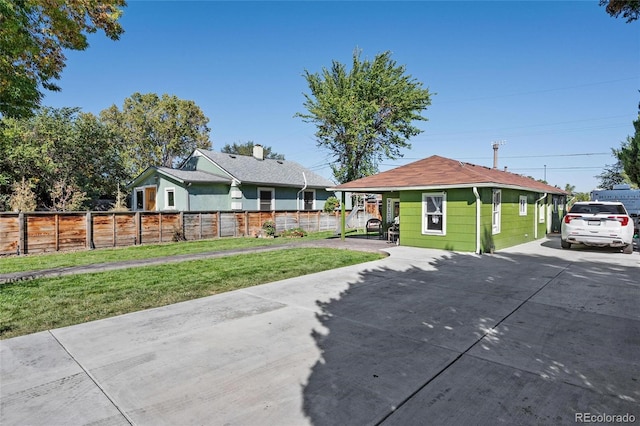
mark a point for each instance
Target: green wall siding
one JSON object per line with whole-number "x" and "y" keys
{"x": 285, "y": 198}
{"x": 461, "y": 219}
{"x": 208, "y": 197}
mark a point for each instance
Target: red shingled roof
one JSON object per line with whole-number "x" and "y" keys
{"x": 438, "y": 172}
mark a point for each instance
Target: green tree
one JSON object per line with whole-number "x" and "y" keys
{"x": 60, "y": 146}
{"x": 156, "y": 131}
{"x": 569, "y": 188}
{"x": 364, "y": 115}
{"x": 613, "y": 174}
{"x": 629, "y": 9}
{"x": 33, "y": 37}
{"x": 629, "y": 154}
{"x": 247, "y": 149}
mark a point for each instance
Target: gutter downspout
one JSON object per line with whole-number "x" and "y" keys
{"x": 475, "y": 192}
{"x": 298, "y": 194}
{"x": 535, "y": 217}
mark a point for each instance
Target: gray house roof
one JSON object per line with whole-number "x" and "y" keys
{"x": 195, "y": 176}
{"x": 183, "y": 176}
{"x": 248, "y": 169}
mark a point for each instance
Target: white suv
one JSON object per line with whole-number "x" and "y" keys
{"x": 599, "y": 224}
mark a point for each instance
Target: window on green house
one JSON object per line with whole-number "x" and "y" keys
{"x": 496, "y": 211}
{"x": 170, "y": 198}
{"x": 139, "y": 199}
{"x": 523, "y": 205}
{"x": 434, "y": 209}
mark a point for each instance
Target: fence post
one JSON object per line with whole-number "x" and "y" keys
{"x": 160, "y": 227}
{"x": 184, "y": 234}
{"x": 88, "y": 219}
{"x": 218, "y": 217}
{"x": 22, "y": 233}
{"x": 138, "y": 225}
{"x": 113, "y": 234}
{"x": 57, "y": 231}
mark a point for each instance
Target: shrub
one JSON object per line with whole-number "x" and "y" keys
{"x": 331, "y": 204}
{"x": 269, "y": 228}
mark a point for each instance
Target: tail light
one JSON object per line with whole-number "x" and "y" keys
{"x": 568, "y": 218}
{"x": 624, "y": 220}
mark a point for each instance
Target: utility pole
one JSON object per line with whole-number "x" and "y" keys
{"x": 545, "y": 172}
{"x": 496, "y": 146}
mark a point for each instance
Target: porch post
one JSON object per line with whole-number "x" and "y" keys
{"x": 342, "y": 215}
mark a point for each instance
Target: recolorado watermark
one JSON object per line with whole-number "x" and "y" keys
{"x": 604, "y": 418}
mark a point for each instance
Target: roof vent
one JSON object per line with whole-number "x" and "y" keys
{"x": 280, "y": 161}
{"x": 232, "y": 156}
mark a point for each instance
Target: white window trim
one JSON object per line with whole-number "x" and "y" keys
{"x": 144, "y": 198}
{"x": 166, "y": 198}
{"x": 273, "y": 197}
{"x": 443, "y": 213}
{"x": 135, "y": 198}
{"x": 496, "y": 212}
{"x": 313, "y": 203}
{"x": 523, "y": 205}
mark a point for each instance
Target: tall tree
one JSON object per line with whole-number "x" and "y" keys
{"x": 629, "y": 9}
{"x": 613, "y": 174}
{"x": 247, "y": 149}
{"x": 33, "y": 36}
{"x": 156, "y": 131}
{"x": 629, "y": 153}
{"x": 365, "y": 114}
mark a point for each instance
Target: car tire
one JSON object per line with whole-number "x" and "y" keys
{"x": 565, "y": 245}
{"x": 628, "y": 249}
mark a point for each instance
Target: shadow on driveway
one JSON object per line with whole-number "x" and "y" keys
{"x": 510, "y": 338}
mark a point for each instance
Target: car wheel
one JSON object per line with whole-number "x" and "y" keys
{"x": 565, "y": 245}
{"x": 628, "y": 249}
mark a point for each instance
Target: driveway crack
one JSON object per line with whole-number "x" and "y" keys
{"x": 466, "y": 351}
{"x": 90, "y": 376}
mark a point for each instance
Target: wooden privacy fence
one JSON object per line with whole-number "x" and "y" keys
{"x": 39, "y": 232}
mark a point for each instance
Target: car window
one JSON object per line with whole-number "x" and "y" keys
{"x": 598, "y": 208}
{"x": 580, "y": 209}
{"x": 611, "y": 208}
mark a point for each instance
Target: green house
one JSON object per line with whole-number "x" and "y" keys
{"x": 216, "y": 181}
{"x": 447, "y": 204}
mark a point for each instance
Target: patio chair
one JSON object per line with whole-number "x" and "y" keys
{"x": 393, "y": 234}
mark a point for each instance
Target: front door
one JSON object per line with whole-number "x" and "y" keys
{"x": 150, "y": 198}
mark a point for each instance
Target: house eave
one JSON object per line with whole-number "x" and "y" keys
{"x": 384, "y": 189}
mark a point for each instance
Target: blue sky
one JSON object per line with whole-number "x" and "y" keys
{"x": 556, "y": 81}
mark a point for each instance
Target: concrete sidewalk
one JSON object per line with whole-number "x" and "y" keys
{"x": 531, "y": 335}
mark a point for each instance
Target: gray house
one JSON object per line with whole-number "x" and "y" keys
{"x": 212, "y": 181}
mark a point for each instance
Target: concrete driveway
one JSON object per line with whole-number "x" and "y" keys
{"x": 531, "y": 335}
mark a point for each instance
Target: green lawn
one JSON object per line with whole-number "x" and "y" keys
{"x": 62, "y": 260}
{"x": 42, "y": 304}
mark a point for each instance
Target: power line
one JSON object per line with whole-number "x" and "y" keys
{"x": 539, "y": 91}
